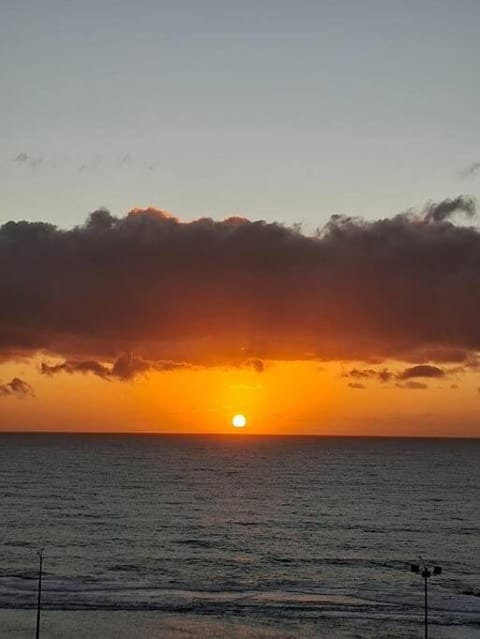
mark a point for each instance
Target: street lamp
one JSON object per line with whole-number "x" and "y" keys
{"x": 39, "y": 593}
{"x": 426, "y": 572}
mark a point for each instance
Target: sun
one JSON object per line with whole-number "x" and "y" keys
{"x": 239, "y": 421}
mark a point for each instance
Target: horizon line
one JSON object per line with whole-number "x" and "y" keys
{"x": 235, "y": 434}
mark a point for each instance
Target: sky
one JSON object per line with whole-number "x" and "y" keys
{"x": 222, "y": 137}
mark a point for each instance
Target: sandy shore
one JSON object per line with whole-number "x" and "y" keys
{"x": 20, "y": 624}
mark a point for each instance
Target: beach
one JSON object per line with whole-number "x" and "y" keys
{"x": 17, "y": 624}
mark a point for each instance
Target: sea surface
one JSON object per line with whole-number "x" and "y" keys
{"x": 238, "y": 536}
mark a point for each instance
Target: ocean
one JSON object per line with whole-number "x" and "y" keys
{"x": 238, "y": 536}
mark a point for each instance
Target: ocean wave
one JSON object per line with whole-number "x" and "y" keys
{"x": 19, "y": 592}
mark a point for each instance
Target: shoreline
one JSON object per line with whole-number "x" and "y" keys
{"x": 119, "y": 624}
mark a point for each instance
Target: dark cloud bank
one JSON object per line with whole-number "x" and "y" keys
{"x": 205, "y": 292}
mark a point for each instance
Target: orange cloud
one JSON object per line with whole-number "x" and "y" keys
{"x": 16, "y": 388}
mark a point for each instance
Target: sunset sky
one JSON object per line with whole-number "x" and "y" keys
{"x": 266, "y": 208}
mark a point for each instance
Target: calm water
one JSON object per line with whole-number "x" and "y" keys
{"x": 306, "y": 536}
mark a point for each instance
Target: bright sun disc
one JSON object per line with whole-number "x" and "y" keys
{"x": 239, "y": 421}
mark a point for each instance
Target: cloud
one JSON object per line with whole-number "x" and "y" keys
{"x": 356, "y": 385}
{"x": 226, "y": 292}
{"x": 124, "y": 368}
{"x": 92, "y": 163}
{"x": 413, "y": 385}
{"x": 403, "y": 377}
{"x": 71, "y": 366}
{"x": 423, "y": 370}
{"x": 25, "y": 159}
{"x": 441, "y": 211}
{"x": 470, "y": 170}
{"x": 124, "y": 160}
{"x": 382, "y": 375}
{"x": 22, "y": 158}
{"x": 80, "y": 164}
{"x": 16, "y": 388}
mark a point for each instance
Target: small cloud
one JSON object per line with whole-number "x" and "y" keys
{"x": 91, "y": 164}
{"x": 412, "y": 385}
{"x": 72, "y": 366}
{"x": 422, "y": 370}
{"x": 22, "y": 158}
{"x": 383, "y": 375}
{"x": 125, "y": 160}
{"x": 25, "y": 159}
{"x": 470, "y": 170}
{"x": 442, "y": 211}
{"x": 356, "y": 385}
{"x": 16, "y": 388}
{"x": 126, "y": 367}
{"x": 404, "y": 377}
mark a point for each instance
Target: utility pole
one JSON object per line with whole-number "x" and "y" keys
{"x": 425, "y": 572}
{"x": 39, "y": 598}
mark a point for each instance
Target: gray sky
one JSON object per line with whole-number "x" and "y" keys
{"x": 273, "y": 109}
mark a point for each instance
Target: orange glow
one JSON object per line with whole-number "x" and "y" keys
{"x": 203, "y": 400}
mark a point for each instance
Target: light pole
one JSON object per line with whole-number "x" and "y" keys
{"x": 426, "y": 572}
{"x": 39, "y": 598}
